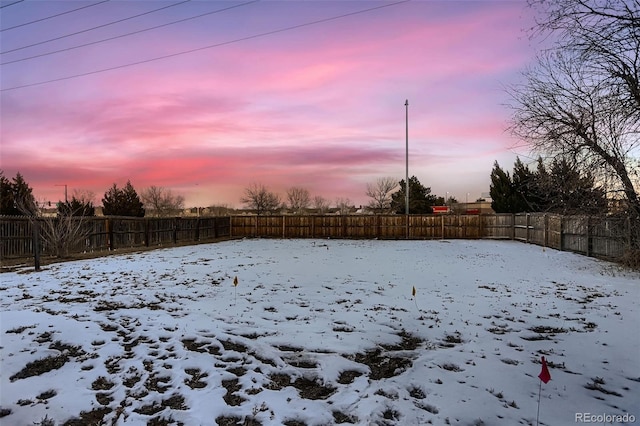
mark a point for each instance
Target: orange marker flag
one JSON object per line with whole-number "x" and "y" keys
{"x": 544, "y": 375}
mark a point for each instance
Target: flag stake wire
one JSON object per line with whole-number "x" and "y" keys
{"x": 544, "y": 376}
{"x": 538, "y": 415}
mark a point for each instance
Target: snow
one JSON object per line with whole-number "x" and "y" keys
{"x": 140, "y": 331}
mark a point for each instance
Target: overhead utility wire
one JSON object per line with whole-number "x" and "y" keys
{"x": 11, "y": 4}
{"x": 53, "y": 16}
{"x": 124, "y": 35}
{"x": 281, "y": 30}
{"x": 94, "y": 28}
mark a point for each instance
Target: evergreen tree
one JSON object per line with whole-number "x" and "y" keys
{"x": 524, "y": 194}
{"x": 122, "y": 202}
{"x": 76, "y": 207}
{"x": 562, "y": 189}
{"x": 135, "y": 207}
{"x": 420, "y": 198}
{"x": 542, "y": 188}
{"x": 112, "y": 199}
{"x": 16, "y": 196}
{"x": 573, "y": 192}
{"x": 501, "y": 190}
{"x": 6, "y": 195}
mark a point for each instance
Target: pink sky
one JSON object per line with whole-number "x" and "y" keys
{"x": 319, "y": 106}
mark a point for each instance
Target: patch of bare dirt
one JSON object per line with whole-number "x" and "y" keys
{"x": 93, "y": 417}
{"x": 40, "y": 366}
{"x": 382, "y": 366}
{"x": 348, "y": 376}
{"x": 195, "y": 381}
{"x": 231, "y": 398}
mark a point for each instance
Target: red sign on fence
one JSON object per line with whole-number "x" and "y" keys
{"x": 440, "y": 209}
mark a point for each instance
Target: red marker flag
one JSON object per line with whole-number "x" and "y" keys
{"x": 544, "y": 374}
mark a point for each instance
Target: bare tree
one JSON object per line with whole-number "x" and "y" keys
{"x": 299, "y": 199}
{"x": 582, "y": 99}
{"x": 161, "y": 202}
{"x": 321, "y": 204}
{"x": 84, "y": 196}
{"x": 69, "y": 230}
{"x": 380, "y": 194}
{"x": 260, "y": 199}
{"x": 344, "y": 205}
{"x": 220, "y": 210}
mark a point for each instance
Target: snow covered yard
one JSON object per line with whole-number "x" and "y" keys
{"x": 320, "y": 332}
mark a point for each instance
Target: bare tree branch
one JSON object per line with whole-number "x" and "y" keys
{"x": 299, "y": 199}
{"x": 321, "y": 204}
{"x": 161, "y": 202}
{"x": 582, "y": 99}
{"x": 259, "y": 198}
{"x": 380, "y": 194}
{"x": 60, "y": 234}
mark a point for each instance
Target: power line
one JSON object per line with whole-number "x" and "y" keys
{"x": 11, "y": 4}
{"x": 124, "y": 35}
{"x": 53, "y": 16}
{"x": 94, "y": 28}
{"x": 267, "y": 33}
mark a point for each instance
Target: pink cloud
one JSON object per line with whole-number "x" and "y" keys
{"x": 321, "y": 105}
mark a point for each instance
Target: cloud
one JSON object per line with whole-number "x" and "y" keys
{"x": 321, "y": 105}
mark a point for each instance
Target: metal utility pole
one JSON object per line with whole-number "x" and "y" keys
{"x": 406, "y": 198}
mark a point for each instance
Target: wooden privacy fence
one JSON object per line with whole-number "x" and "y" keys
{"x": 601, "y": 237}
{"x": 358, "y": 226}
{"x": 110, "y": 233}
{"x": 606, "y": 237}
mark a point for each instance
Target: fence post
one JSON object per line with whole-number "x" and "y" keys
{"x": 513, "y": 226}
{"x": 146, "y": 232}
{"x": 589, "y": 240}
{"x": 313, "y": 225}
{"x": 35, "y": 228}
{"x": 110, "y": 243}
{"x": 197, "y": 232}
{"x": 562, "y": 233}
{"x": 407, "y": 225}
{"x": 175, "y": 230}
{"x": 284, "y": 233}
{"x": 463, "y": 224}
{"x": 343, "y": 227}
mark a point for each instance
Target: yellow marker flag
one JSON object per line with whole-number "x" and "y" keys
{"x": 413, "y": 293}
{"x": 235, "y": 281}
